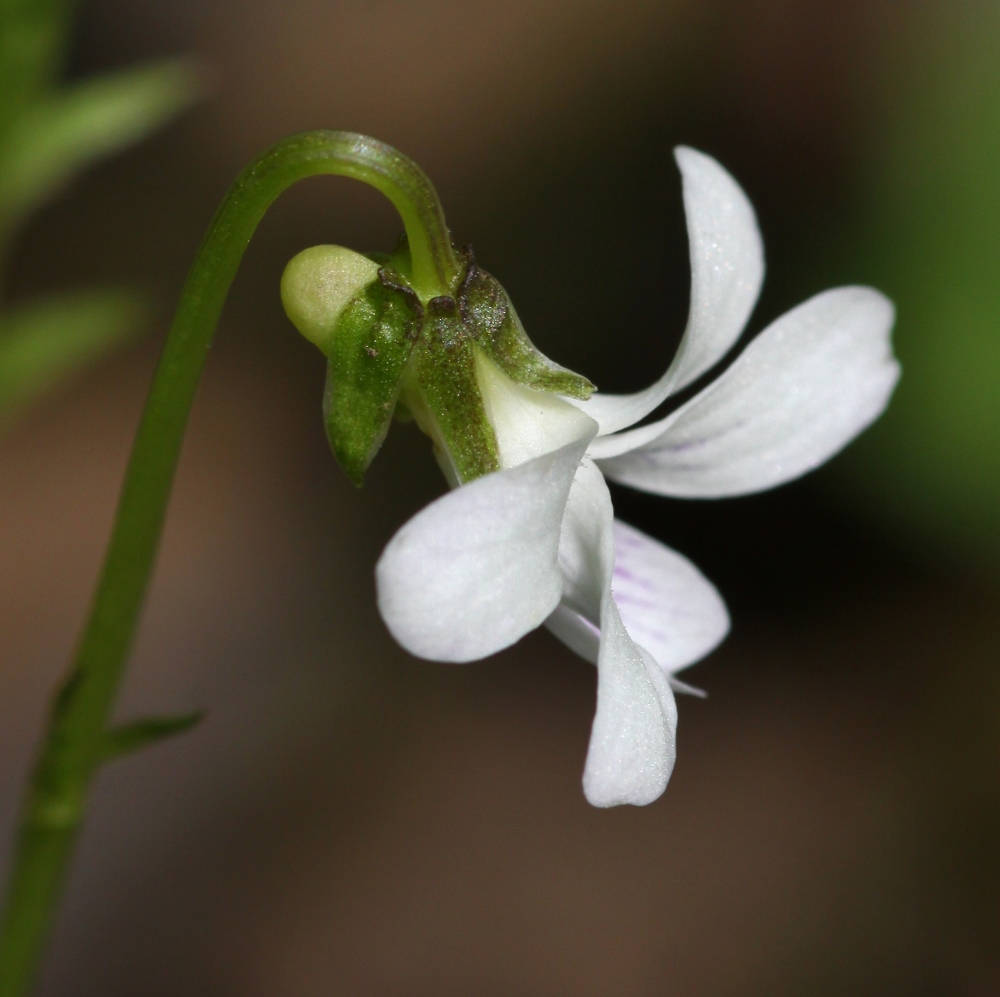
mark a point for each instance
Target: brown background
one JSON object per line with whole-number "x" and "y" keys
{"x": 351, "y": 820}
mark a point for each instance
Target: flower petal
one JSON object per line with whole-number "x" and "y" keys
{"x": 689, "y": 690}
{"x": 631, "y": 752}
{"x": 587, "y": 545}
{"x": 580, "y": 635}
{"x": 527, "y": 422}
{"x": 727, "y": 270}
{"x": 665, "y": 602}
{"x": 477, "y": 569}
{"x": 801, "y": 391}
{"x": 633, "y": 740}
{"x": 584, "y": 639}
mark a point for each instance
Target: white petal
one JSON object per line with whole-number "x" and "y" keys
{"x": 727, "y": 270}
{"x": 587, "y": 545}
{"x": 580, "y": 635}
{"x": 477, "y": 569}
{"x": 527, "y": 423}
{"x": 665, "y": 602}
{"x": 689, "y": 690}
{"x": 633, "y": 740}
{"x": 584, "y": 639}
{"x": 631, "y": 753}
{"x": 801, "y": 391}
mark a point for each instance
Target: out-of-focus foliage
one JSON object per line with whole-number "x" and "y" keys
{"x": 934, "y": 242}
{"x": 48, "y": 133}
{"x": 42, "y": 343}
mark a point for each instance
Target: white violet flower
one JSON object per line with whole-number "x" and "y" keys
{"x": 534, "y": 540}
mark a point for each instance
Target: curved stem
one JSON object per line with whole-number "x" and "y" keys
{"x": 78, "y": 736}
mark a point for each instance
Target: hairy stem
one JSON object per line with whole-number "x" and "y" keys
{"x": 78, "y": 736}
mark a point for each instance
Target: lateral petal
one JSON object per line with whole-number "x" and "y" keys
{"x": 665, "y": 602}
{"x": 800, "y": 392}
{"x": 727, "y": 270}
{"x": 584, "y": 639}
{"x": 476, "y": 570}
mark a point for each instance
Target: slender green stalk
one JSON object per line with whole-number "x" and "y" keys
{"x": 78, "y": 738}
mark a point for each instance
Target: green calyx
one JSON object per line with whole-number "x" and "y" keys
{"x": 388, "y": 348}
{"x": 489, "y": 316}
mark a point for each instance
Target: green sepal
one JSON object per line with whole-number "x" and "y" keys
{"x": 486, "y": 309}
{"x": 135, "y": 736}
{"x": 445, "y": 370}
{"x": 367, "y": 356}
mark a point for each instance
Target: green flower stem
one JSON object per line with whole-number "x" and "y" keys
{"x": 78, "y": 738}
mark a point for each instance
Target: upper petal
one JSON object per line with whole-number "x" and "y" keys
{"x": 727, "y": 270}
{"x": 665, "y": 602}
{"x": 802, "y": 390}
{"x": 477, "y": 569}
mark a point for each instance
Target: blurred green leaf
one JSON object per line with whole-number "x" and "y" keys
{"x": 61, "y": 134}
{"x": 42, "y": 344}
{"x": 932, "y": 242}
{"x": 32, "y": 42}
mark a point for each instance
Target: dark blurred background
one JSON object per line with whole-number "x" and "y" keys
{"x": 351, "y": 820}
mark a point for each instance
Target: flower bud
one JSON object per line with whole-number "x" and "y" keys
{"x": 317, "y": 286}
{"x": 366, "y": 324}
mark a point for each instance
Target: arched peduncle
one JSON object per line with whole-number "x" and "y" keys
{"x": 79, "y": 738}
